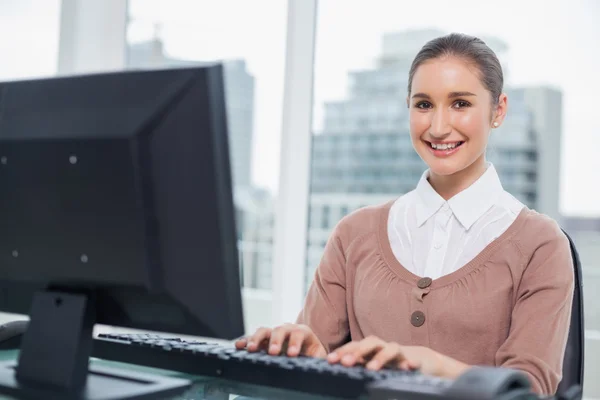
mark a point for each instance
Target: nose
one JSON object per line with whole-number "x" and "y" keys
{"x": 440, "y": 127}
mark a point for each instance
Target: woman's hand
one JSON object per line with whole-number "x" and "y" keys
{"x": 377, "y": 353}
{"x": 289, "y": 339}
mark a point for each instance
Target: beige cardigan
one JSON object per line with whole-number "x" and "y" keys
{"x": 510, "y": 306}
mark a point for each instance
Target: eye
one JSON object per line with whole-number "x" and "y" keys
{"x": 423, "y": 105}
{"x": 461, "y": 104}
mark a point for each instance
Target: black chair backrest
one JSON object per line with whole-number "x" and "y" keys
{"x": 573, "y": 362}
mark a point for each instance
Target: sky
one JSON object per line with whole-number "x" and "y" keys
{"x": 551, "y": 42}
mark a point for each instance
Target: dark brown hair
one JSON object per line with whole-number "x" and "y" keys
{"x": 469, "y": 48}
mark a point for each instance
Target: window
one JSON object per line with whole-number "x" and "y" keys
{"x": 550, "y": 68}
{"x": 344, "y": 211}
{"x": 29, "y": 38}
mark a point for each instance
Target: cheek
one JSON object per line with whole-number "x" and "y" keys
{"x": 469, "y": 124}
{"x": 419, "y": 124}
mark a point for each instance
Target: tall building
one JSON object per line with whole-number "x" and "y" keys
{"x": 545, "y": 107}
{"x": 254, "y": 206}
{"x": 255, "y": 221}
{"x": 364, "y": 153}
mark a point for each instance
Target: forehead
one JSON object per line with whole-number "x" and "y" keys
{"x": 446, "y": 74}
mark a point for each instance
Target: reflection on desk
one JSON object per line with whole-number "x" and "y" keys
{"x": 481, "y": 383}
{"x": 203, "y": 388}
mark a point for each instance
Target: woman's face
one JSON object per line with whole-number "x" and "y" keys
{"x": 451, "y": 115}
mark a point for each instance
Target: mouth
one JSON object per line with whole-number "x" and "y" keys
{"x": 444, "y": 149}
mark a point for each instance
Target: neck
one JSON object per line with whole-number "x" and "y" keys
{"x": 449, "y": 186}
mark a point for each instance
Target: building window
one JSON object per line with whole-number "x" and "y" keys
{"x": 325, "y": 217}
{"x": 344, "y": 211}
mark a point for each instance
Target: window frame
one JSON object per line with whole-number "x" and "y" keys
{"x": 92, "y": 36}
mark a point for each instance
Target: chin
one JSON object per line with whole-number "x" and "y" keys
{"x": 445, "y": 169}
{"x": 442, "y": 167}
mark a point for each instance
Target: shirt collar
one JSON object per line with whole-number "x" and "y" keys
{"x": 430, "y": 201}
{"x": 467, "y": 206}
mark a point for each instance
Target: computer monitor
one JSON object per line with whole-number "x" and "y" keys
{"x": 116, "y": 208}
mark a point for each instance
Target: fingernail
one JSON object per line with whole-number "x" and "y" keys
{"x": 332, "y": 357}
{"x": 251, "y": 344}
{"x": 373, "y": 365}
{"x": 273, "y": 348}
{"x": 292, "y": 350}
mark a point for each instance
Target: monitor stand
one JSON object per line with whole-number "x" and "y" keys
{"x": 55, "y": 352}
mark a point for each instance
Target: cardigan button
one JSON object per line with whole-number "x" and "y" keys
{"x": 424, "y": 283}
{"x": 417, "y": 318}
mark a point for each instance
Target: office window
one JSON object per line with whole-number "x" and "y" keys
{"x": 182, "y": 33}
{"x": 364, "y": 49}
{"x": 29, "y": 37}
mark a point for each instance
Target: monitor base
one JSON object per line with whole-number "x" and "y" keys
{"x": 103, "y": 383}
{"x": 55, "y": 352}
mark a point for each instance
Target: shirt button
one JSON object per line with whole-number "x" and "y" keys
{"x": 424, "y": 283}
{"x": 437, "y": 246}
{"x": 417, "y": 318}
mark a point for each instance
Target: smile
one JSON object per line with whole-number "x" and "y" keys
{"x": 444, "y": 149}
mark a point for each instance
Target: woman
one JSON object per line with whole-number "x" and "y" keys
{"x": 453, "y": 274}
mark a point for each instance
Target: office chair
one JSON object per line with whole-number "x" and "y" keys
{"x": 571, "y": 385}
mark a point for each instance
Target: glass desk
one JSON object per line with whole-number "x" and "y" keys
{"x": 203, "y": 388}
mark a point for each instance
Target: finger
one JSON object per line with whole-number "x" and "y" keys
{"x": 295, "y": 343}
{"x": 340, "y": 352}
{"x": 366, "y": 349}
{"x": 363, "y": 349}
{"x": 278, "y": 338}
{"x": 408, "y": 365}
{"x": 256, "y": 341}
{"x": 241, "y": 343}
{"x": 389, "y": 353}
{"x": 412, "y": 364}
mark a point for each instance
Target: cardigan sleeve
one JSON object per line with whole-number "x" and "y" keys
{"x": 325, "y": 309}
{"x": 542, "y": 312}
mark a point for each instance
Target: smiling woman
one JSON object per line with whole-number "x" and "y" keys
{"x": 396, "y": 279}
{"x": 543, "y": 150}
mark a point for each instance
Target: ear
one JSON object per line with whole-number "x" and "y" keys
{"x": 500, "y": 110}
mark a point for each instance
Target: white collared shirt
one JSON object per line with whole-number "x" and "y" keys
{"x": 432, "y": 237}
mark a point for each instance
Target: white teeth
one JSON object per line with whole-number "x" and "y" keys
{"x": 444, "y": 146}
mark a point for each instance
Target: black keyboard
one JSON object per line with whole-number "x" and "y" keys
{"x": 305, "y": 374}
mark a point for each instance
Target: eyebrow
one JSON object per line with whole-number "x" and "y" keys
{"x": 451, "y": 95}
